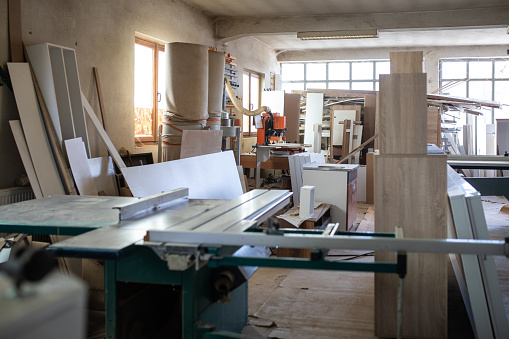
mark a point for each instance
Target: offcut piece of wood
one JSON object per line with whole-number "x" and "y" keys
{"x": 35, "y": 133}
{"x": 406, "y": 62}
{"x": 403, "y": 115}
{"x": 434, "y": 128}
{"x": 211, "y": 176}
{"x": 106, "y": 139}
{"x": 356, "y": 140}
{"x": 80, "y": 168}
{"x": 21, "y": 143}
{"x": 410, "y": 192}
{"x": 292, "y": 114}
{"x": 103, "y": 173}
{"x": 196, "y": 143}
{"x": 100, "y": 96}
{"x": 15, "y": 36}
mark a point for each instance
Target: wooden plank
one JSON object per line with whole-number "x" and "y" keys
{"x": 403, "y": 115}
{"x": 104, "y": 175}
{"x": 410, "y": 192}
{"x": 195, "y": 143}
{"x": 292, "y": 114}
{"x": 406, "y": 62}
{"x": 369, "y": 118}
{"x": 370, "y": 178}
{"x": 15, "y": 36}
{"x": 211, "y": 176}
{"x": 100, "y": 96}
{"x": 33, "y": 126}
{"x": 433, "y": 131}
{"x": 275, "y": 162}
{"x": 339, "y": 114}
{"x": 113, "y": 151}
{"x": 21, "y": 143}
{"x": 78, "y": 160}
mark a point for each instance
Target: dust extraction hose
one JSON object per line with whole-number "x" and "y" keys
{"x": 238, "y": 105}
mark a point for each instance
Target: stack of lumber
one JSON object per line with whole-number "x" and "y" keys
{"x": 410, "y": 192}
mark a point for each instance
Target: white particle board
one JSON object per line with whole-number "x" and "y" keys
{"x": 275, "y": 100}
{"x": 195, "y": 143}
{"x": 91, "y": 115}
{"x": 40, "y": 60}
{"x": 104, "y": 175}
{"x": 61, "y": 93}
{"x": 211, "y": 176}
{"x": 314, "y": 113}
{"x": 80, "y": 168}
{"x": 35, "y": 133}
{"x": 361, "y": 183}
{"x": 73, "y": 83}
{"x": 21, "y": 143}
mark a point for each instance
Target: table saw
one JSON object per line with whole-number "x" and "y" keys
{"x": 204, "y": 249}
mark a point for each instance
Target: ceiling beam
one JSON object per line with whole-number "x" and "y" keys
{"x": 231, "y": 28}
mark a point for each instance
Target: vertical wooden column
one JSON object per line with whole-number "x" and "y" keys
{"x": 410, "y": 192}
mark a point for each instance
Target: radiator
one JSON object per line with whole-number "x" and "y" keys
{"x": 15, "y": 194}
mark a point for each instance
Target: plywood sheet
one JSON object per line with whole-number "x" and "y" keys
{"x": 292, "y": 114}
{"x": 35, "y": 133}
{"x": 211, "y": 176}
{"x": 195, "y": 143}
{"x": 77, "y": 155}
{"x": 104, "y": 175}
{"x": 314, "y": 113}
{"x": 403, "y": 114}
{"x": 410, "y": 191}
{"x": 406, "y": 62}
{"x": 369, "y": 118}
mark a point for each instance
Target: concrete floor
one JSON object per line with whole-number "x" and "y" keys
{"x": 289, "y": 303}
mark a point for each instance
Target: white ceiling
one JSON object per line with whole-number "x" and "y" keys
{"x": 464, "y": 36}
{"x": 259, "y": 8}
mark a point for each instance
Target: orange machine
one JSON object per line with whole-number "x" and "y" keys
{"x": 271, "y": 127}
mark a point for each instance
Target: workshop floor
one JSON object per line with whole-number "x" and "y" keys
{"x": 290, "y": 303}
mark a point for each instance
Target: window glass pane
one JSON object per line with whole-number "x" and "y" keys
{"x": 454, "y": 69}
{"x": 291, "y": 72}
{"x": 339, "y": 71}
{"x": 143, "y": 90}
{"x": 363, "y": 85}
{"x": 245, "y": 90}
{"x": 480, "y": 90}
{"x": 480, "y": 70}
{"x": 255, "y": 91}
{"x": 289, "y": 86}
{"x": 362, "y": 70}
{"x": 383, "y": 67}
{"x": 459, "y": 90}
{"x": 315, "y": 72}
{"x": 316, "y": 85}
{"x": 502, "y": 113}
{"x": 161, "y": 87}
{"x": 339, "y": 85}
{"x": 502, "y": 92}
{"x": 502, "y": 69}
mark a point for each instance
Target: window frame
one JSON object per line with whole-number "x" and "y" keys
{"x": 156, "y": 48}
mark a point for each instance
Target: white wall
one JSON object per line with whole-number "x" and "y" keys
{"x": 431, "y": 56}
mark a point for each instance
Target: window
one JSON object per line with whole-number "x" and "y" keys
{"x": 251, "y": 84}
{"x": 355, "y": 75}
{"x": 149, "y": 89}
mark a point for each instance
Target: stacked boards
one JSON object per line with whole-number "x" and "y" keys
{"x": 410, "y": 192}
